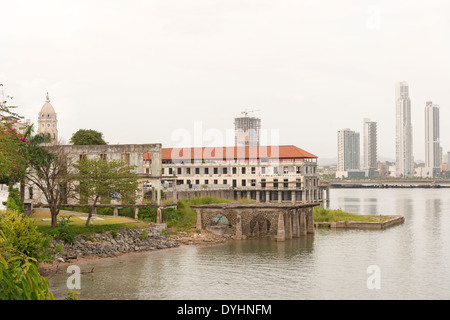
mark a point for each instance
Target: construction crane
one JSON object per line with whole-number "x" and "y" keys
{"x": 247, "y": 112}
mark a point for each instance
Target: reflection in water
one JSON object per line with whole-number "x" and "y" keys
{"x": 331, "y": 264}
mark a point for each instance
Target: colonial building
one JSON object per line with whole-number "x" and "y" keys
{"x": 47, "y": 120}
{"x": 272, "y": 173}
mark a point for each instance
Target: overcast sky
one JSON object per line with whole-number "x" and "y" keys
{"x": 179, "y": 71}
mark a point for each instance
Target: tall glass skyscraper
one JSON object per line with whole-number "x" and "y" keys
{"x": 403, "y": 133}
{"x": 433, "y": 157}
{"x": 348, "y": 150}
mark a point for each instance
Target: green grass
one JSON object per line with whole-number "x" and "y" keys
{"x": 77, "y": 226}
{"x": 334, "y": 215}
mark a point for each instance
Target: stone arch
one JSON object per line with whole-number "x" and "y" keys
{"x": 260, "y": 225}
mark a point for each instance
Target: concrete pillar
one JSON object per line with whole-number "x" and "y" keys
{"x": 116, "y": 212}
{"x": 199, "y": 219}
{"x": 293, "y": 196}
{"x": 267, "y": 196}
{"x": 304, "y": 195}
{"x": 249, "y": 195}
{"x": 257, "y": 195}
{"x": 281, "y": 234}
{"x": 153, "y": 195}
{"x": 295, "y": 224}
{"x": 279, "y": 196}
{"x": 302, "y": 219}
{"x": 158, "y": 215}
{"x": 238, "y": 234}
{"x": 309, "y": 220}
{"x": 288, "y": 230}
{"x": 136, "y": 213}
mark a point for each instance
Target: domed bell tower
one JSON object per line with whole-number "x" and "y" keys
{"x": 47, "y": 121}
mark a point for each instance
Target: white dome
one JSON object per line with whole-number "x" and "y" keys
{"x": 47, "y": 108}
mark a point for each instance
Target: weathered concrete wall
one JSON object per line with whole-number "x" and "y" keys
{"x": 282, "y": 221}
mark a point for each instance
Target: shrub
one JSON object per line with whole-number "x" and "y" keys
{"x": 22, "y": 236}
{"x": 20, "y": 280}
{"x": 14, "y": 202}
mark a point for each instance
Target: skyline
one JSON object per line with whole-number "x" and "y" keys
{"x": 150, "y": 69}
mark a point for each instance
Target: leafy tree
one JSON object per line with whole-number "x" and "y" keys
{"x": 48, "y": 169}
{"x": 99, "y": 179}
{"x": 87, "y": 137}
{"x": 12, "y": 145}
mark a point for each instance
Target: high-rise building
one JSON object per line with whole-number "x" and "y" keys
{"x": 47, "y": 120}
{"x": 348, "y": 150}
{"x": 403, "y": 133}
{"x": 247, "y": 131}
{"x": 433, "y": 153}
{"x": 370, "y": 144}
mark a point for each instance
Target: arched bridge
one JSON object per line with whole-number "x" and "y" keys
{"x": 283, "y": 221}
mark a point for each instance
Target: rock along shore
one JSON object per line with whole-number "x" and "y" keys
{"x": 112, "y": 243}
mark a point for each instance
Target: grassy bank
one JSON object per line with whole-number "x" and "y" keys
{"x": 335, "y": 215}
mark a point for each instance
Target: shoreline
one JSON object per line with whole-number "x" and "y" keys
{"x": 203, "y": 239}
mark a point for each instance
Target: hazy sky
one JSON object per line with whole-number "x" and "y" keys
{"x": 149, "y": 71}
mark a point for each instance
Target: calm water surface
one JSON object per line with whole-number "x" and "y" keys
{"x": 413, "y": 259}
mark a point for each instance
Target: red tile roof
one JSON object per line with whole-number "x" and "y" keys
{"x": 224, "y": 153}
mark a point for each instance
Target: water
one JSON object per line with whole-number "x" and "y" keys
{"x": 413, "y": 260}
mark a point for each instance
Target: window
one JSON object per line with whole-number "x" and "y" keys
{"x": 253, "y": 170}
{"x": 263, "y": 183}
{"x": 170, "y": 171}
{"x": 162, "y": 170}
{"x": 285, "y": 183}
{"x": 188, "y": 171}
{"x": 103, "y": 156}
{"x": 275, "y": 170}
{"x": 216, "y": 181}
{"x": 234, "y": 183}
{"x": 263, "y": 170}
{"x": 197, "y": 181}
{"x": 275, "y": 183}
{"x": 224, "y": 170}
{"x": 253, "y": 183}
{"x": 197, "y": 170}
{"x": 298, "y": 183}
{"x": 147, "y": 170}
{"x": 206, "y": 170}
{"x": 299, "y": 169}
{"x": 243, "y": 183}
{"x": 178, "y": 170}
{"x": 234, "y": 170}
{"x": 285, "y": 170}
{"x": 224, "y": 181}
{"x": 206, "y": 181}
{"x": 243, "y": 170}
{"x": 216, "y": 170}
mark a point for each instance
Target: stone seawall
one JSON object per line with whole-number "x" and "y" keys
{"x": 113, "y": 243}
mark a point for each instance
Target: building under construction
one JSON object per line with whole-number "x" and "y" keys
{"x": 247, "y": 131}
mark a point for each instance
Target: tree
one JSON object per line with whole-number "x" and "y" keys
{"x": 87, "y": 137}
{"x": 48, "y": 169}
{"x": 100, "y": 179}
{"x": 12, "y": 145}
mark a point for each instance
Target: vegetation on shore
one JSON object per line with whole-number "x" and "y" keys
{"x": 335, "y": 215}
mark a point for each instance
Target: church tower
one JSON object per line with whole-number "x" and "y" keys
{"x": 47, "y": 121}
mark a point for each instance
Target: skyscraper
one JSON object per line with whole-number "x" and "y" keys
{"x": 247, "y": 131}
{"x": 370, "y": 144}
{"x": 403, "y": 133}
{"x": 348, "y": 150}
{"x": 433, "y": 156}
